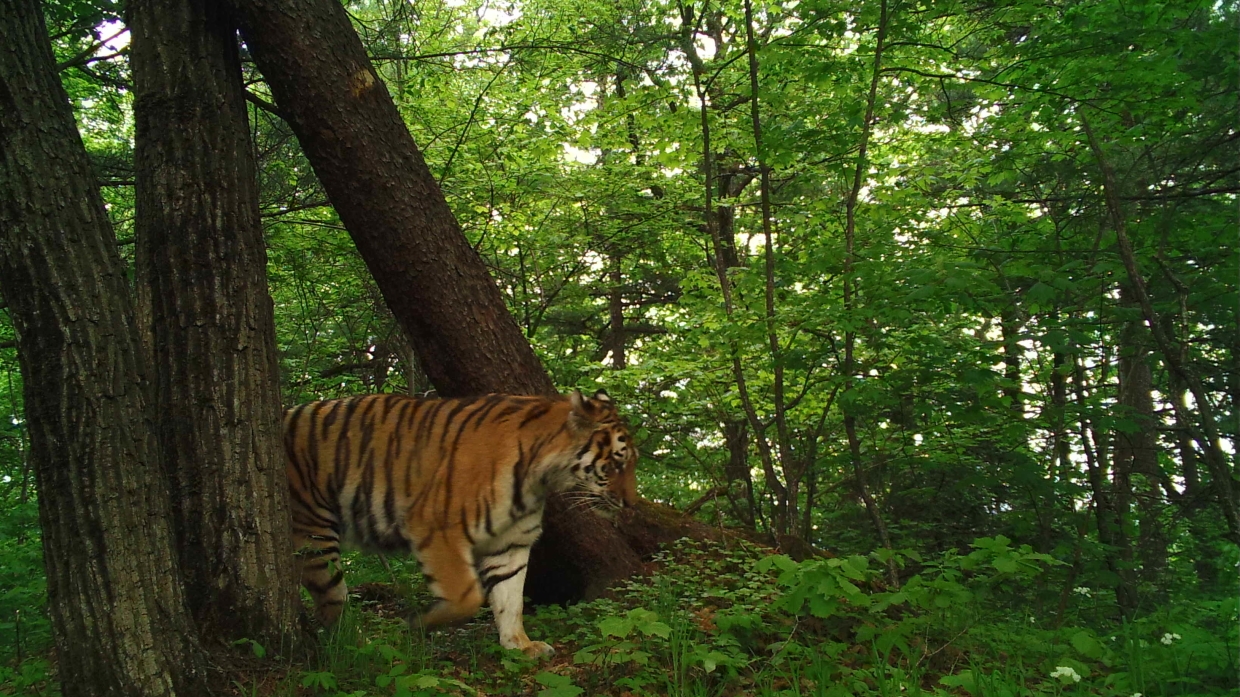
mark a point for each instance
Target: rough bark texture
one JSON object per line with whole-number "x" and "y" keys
{"x": 202, "y": 259}
{"x": 434, "y": 282}
{"x": 578, "y": 556}
{"x": 432, "y": 279}
{"x": 117, "y": 610}
{"x": 736, "y": 471}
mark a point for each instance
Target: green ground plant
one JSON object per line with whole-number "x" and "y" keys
{"x": 720, "y": 619}
{"x": 732, "y": 618}
{"x": 975, "y": 419}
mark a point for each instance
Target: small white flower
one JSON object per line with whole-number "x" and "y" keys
{"x": 1082, "y": 590}
{"x": 1066, "y": 672}
{"x": 1169, "y": 638}
{"x": 1137, "y": 694}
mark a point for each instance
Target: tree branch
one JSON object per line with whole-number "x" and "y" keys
{"x": 264, "y": 105}
{"x": 1208, "y": 437}
{"x": 710, "y": 495}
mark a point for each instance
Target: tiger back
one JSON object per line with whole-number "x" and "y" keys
{"x": 459, "y": 483}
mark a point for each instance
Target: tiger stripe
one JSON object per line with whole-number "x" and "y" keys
{"x": 459, "y": 483}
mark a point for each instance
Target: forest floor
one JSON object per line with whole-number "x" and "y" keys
{"x": 732, "y": 618}
{"x": 717, "y": 618}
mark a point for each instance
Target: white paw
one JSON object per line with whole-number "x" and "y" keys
{"x": 538, "y": 649}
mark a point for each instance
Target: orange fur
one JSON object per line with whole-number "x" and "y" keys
{"x": 460, "y": 483}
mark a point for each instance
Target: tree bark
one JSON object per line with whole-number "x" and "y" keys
{"x": 1010, "y": 326}
{"x": 736, "y": 436}
{"x": 1062, "y": 467}
{"x": 1136, "y": 447}
{"x": 201, "y": 256}
{"x": 118, "y": 612}
{"x": 432, "y": 279}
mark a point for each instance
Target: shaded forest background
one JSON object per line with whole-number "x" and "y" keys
{"x": 963, "y": 270}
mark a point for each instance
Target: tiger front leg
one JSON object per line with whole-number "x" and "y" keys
{"x": 318, "y": 559}
{"x": 503, "y": 577}
{"x": 448, "y": 566}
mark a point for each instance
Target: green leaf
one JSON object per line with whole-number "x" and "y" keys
{"x": 426, "y": 681}
{"x": 657, "y": 629}
{"x": 1006, "y": 564}
{"x": 641, "y": 615}
{"x": 712, "y": 660}
{"x": 615, "y": 626}
{"x": 782, "y": 562}
{"x": 963, "y": 679}
{"x": 557, "y": 685}
{"x": 1084, "y": 642}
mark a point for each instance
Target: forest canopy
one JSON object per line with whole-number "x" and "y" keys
{"x": 884, "y": 280}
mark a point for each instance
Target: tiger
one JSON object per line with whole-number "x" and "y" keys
{"x": 459, "y": 483}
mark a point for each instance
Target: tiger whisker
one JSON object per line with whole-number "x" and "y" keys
{"x": 582, "y": 501}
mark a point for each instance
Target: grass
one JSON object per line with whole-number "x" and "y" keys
{"x": 713, "y": 621}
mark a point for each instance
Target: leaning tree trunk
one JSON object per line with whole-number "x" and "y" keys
{"x": 432, "y": 279}
{"x": 202, "y": 260}
{"x": 117, "y": 609}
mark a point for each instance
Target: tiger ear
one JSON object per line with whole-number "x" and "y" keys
{"x": 586, "y": 411}
{"x": 577, "y": 401}
{"x": 581, "y": 414}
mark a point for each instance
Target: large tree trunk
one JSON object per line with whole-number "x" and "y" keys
{"x": 202, "y": 259}
{"x": 115, "y": 600}
{"x": 432, "y": 279}
{"x": 434, "y": 282}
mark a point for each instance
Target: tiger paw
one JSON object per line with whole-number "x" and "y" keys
{"x": 538, "y": 649}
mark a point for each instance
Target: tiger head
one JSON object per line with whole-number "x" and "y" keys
{"x": 604, "y": 468}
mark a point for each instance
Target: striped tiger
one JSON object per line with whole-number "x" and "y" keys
{"x": 460, "y": 483}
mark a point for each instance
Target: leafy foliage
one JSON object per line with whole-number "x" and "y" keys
{"x": 729, "y": 618}
{"x": 941, "y": 371}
